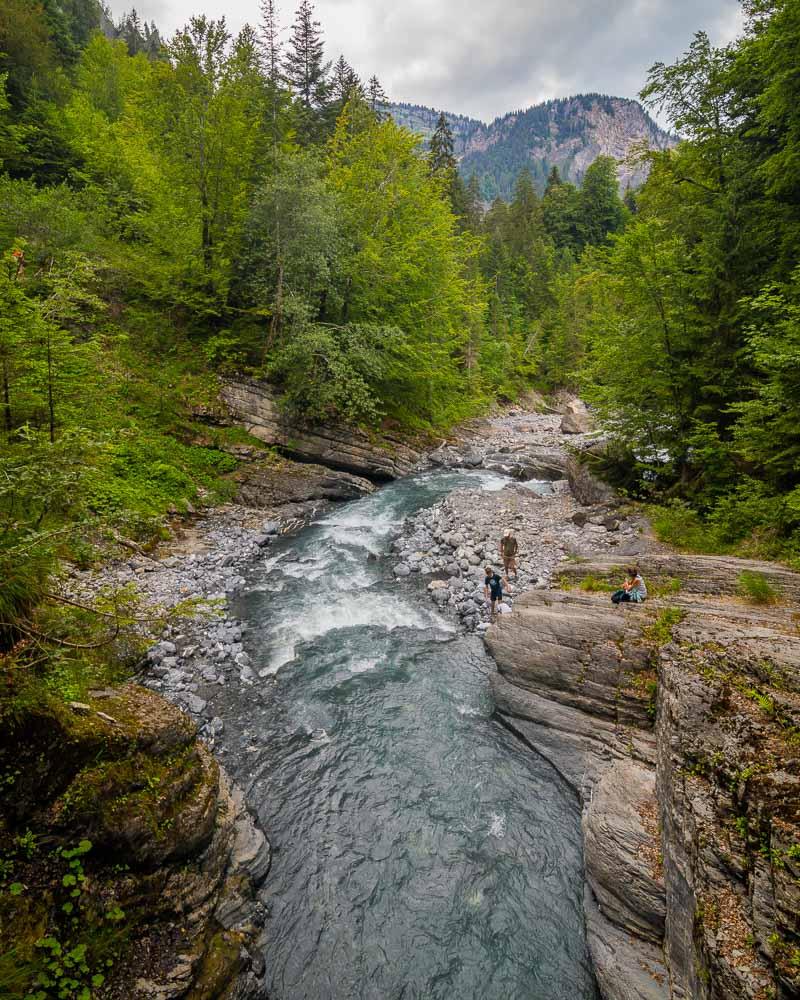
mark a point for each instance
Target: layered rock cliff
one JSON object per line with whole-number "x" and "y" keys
{"x": 134, "y": 860}
{"x": 256, "y": 405}
{"x": 677, "y": 723}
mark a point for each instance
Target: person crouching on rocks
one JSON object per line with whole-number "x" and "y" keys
{"x": 508, "y": 552}
{"x": 633, "y": 590}
{"x": 493, "y": 587}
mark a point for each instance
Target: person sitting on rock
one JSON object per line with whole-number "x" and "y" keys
{"x": 633, "y": 590}
{"x": 508, "y": 552}
{"x": 493, "y": 587}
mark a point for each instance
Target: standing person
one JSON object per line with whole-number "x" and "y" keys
{"x": 634, "y": 590}
{"x": 508, "y": 552}
{"x": 493, "y": 587}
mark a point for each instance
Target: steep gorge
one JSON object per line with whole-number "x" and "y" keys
{"x": 676, "y": 722}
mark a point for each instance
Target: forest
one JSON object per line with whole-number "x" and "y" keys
{"x": 176, "y": 210}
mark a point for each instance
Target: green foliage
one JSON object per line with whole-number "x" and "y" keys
{"x": 331, "y": 372}
{"x": 681, "y": 527}
{"x": 756, "y": 588}
{"x": 81, "y": 940}
{"x": 683, "y": 331}
{"x": 659, "y": 632}
{"x": 593, "y": 584}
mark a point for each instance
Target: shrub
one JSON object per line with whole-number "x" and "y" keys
{"x": 756, "y": 588}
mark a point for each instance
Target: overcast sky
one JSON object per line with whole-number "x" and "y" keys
{"x": 485, "y": 57}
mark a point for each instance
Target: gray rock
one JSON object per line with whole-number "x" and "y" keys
{"x": 620, "y": 853}
{"x": 576, "y": 418}
{"x": 194, "y": 703}
{"x": 257, "y": 405}
{"x": 627, "y": 968}
{"x": 586, "y": 486}
{"x": 402, "y": 569}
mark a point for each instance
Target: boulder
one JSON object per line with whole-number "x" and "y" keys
{"x": 576, "y": 418}
{"x": 587, "y": 488}
{"x": 622, "y": 850}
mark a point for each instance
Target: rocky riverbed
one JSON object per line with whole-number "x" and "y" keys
{"x": 447, "y": 545}
{"x": 454, "y": 540}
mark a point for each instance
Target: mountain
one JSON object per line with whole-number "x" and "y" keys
{"x": 568, "y": 133}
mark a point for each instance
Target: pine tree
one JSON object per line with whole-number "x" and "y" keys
{"x": 553, "y": 179}
{"x": 270, "y": 41}
{"x": 302, "y": 65}
{"x": 377, "y": 98}
{"x": 344, "y": 80}
{"x": 474, "y": 203}
{"x": 441, "y": 157}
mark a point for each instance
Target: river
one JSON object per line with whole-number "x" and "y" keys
{"x": 420, "y": 850}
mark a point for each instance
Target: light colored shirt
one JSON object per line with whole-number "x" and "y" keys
{"x": 639, "y": 589}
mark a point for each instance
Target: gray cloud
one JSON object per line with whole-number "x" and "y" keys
{"x": 484, "y": 59}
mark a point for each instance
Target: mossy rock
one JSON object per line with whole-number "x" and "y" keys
{"x": 46, "y": 743}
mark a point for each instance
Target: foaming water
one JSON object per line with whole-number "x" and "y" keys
{"x": 421, "y": 851}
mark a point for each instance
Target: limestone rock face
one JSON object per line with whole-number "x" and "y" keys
{"x": 255, "y": 404}
{"x": 701, "y": 575}
{"x": 622, "y": 850}
{"x": 576, "y": 418}
{"x": 170, "y": 843}
{"x": 293, "y": 483}
{"x": 693, "y": 888}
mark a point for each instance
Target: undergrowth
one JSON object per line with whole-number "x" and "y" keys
{"x": 756, "y": 588}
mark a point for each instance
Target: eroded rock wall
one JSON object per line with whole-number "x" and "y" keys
{"x": 691, "y": 828}
{"x": 169, "y": 850}
{"x": 256, "y": 405}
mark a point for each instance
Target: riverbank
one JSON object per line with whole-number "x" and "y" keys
{"x": 453, "y": 540}
{"x": 589, "y": 687}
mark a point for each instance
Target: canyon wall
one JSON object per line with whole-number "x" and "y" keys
{"x": 677, "y": 723}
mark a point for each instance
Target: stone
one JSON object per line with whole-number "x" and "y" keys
{"x": 257, "y": 406}
{"x": 576, "y": 418}
{"x": 80, "y": 708}
{"x": 437, "y": 585}
{"x": 402, "y": 570}
{"x": 194, "y": 703}
{"x": 587, "y": 488}
{"x": 622, "y": 856}
{"x": 162, "y": 649}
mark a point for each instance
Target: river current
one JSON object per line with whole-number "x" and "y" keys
{"x": 421, "y": 851}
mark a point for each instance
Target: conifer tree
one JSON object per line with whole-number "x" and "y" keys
{"x": 473, "y": 204}
{"x": 270, "y": 41}
{"x": 302, "y": 65}
{"x": 377, "y": 98}
{"x": 344, "y": 80}
{"x": 441, "y": 157}
{"x": 553, "y": 179}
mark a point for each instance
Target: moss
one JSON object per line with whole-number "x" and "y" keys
{"x": 593, "y": 584}
{"x": 220, "y": 967}
{"x": 756, "y": 588}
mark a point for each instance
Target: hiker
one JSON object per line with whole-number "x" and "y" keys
{"x": 493, "y": 586}
{"x": 508, "y": 552}
{"x": 633, "y": 590}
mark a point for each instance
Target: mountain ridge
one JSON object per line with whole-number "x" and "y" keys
{"x": 566, "y": 132}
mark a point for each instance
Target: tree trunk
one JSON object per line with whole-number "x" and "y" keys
{"x": 51, "y": 407}
{"x": 7, "y": 421}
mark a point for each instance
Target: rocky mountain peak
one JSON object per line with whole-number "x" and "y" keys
{"x": 568, "y": 133}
